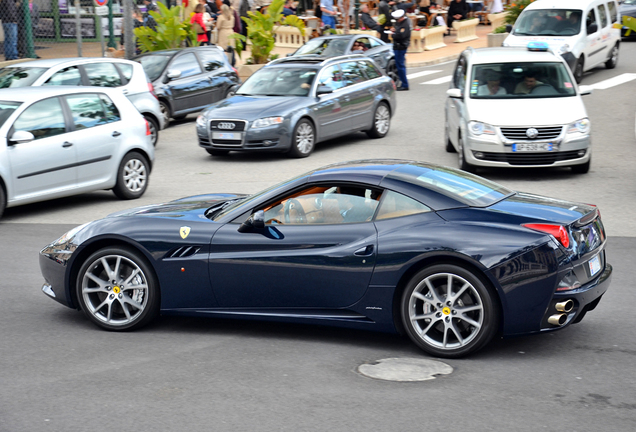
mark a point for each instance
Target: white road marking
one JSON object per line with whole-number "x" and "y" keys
{"x": 617, "y": 80}
{"x": 421, "y": 74}
{"x": 441, "y": 80}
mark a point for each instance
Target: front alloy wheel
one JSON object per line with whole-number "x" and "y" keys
{"x": 303, "y": 139}
{"x": 117, "y": 289}
{"x": 448, "y": 311}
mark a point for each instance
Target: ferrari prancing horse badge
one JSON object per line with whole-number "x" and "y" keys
{"x": 184, "y": 231}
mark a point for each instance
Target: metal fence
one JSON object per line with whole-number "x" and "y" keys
{"x": 65, "y": 28}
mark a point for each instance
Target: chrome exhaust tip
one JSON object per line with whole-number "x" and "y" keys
{"x": 558, "y": 319}
{"x": 565, "y": 306}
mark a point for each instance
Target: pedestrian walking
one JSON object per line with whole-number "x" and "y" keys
{"x": 9, "y": 18}
{"x": 199, "y": 25}
{"x": 401, "y": 40}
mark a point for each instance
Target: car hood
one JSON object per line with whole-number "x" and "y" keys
{"x": 540, "y": 207}
{"x": 527, "y": 112}
{"x": 254, "y": 107}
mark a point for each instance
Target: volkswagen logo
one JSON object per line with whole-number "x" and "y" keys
{"x": 532, "y": 133}
{"x": 226, "y": 125}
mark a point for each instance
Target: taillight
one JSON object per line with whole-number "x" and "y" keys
{"x": 148, "y": 133}
{"x": 152, "y": 90}
{"x": 558, "y": 231}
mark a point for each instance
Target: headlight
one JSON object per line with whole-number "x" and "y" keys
{"x": 479, "y": 128}
{"x": 201, "y": 121}
{"x": 69, "y": 235}
{"x": 581, "y": 126}
{"x": 564, "y": 49}
{"x": 267, "y": 121}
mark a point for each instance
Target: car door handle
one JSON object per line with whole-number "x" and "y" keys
{"x": 116, "y": 134}
{"x": 124, "y": 91}
{"x": 67, "y": 144}
{"x": 364, "y": 251}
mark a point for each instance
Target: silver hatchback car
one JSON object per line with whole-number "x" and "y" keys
{"x": 129, "y": 76}
{"x": 61, "y": 141}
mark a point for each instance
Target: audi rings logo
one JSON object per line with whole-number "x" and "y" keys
{"x": 532, "y": 133}
{"x": 226, "y": 125}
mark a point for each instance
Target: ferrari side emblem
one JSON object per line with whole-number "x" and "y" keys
{"x": 184, "y": 231}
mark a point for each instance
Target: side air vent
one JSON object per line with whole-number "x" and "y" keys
{"x": 183, "y": 251}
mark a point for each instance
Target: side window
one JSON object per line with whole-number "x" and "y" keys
{"x": 611, "y": 6}
{"x": 110, "y": 109}
{"x": 602, "y": 15}
{"x": 395, "y": 205}
{"x": 459, "y": 77}
{"x": 103, "y": 75}
{"x": 373, "y": 43}
{"x": 87, "y": 110}
{"x": 590, "y": 19}
{"x": 324, "y": 204}
{"x": 43, "y": 119}
{"x": 69, "y": 76}
{"x": 331, "y": 77}
{"x": 370, "y": 70}
{"x": 187, "y": 64}
{"x": 210, "y": 60}
{"x": 126, "y": 70}
{"x": 352, "y": 73}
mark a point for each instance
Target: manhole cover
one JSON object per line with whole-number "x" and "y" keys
{"x": 405, "y": 369}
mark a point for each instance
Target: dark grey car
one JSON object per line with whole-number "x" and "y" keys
{"x": 291, "y": 104}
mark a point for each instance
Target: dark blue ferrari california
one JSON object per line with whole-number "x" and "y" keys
{"x": 448, "y": 257}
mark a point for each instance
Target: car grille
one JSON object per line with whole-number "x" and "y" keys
{"x": 519, "y": 134}
{"x": 228, "y": 126}
{"x": 531, "y": 158}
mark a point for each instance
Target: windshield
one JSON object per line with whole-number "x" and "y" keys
{"x": 552, "y": 22}
{"x": 154, "y": 65}
{"x": 282, "y": 81}
{"x": 6, "y": 108}
{"x": 629, "y": 2}
{"x": 520, "y": 80}
{"x": 19, "y": 76}
{"x": 324, "y": 47}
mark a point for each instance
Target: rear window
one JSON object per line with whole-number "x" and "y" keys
{"x": 19, "y": 76}
{"x": 324, "y": 47}
{"x": 153, "y": 65}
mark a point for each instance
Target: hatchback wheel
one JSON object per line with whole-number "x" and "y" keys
{"x": 165, "y": 110}
{"x": 303, "y": 139}
{"x": 461, "y": 157}
{"x": 448, "y": 311}
{"x": 154, "y": 129}
{"x": 117, "y": 289}
{"x": 381, "y": 121}
{"x": 132, "y": 177}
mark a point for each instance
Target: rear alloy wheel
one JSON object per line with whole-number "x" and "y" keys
{"x": 613, "y": 60}
{"x": 381, "y": 121}
{"x": 154, "y": 129}
{"x": 461, "y": 157}
{"x": 578, "y": 70}
{"x": 132, "y": 176}
{"x": 217, "y": 152}
{"x": 303, "y": 139}
{"x": 448, "y": 311}
{"x": 165, "y": 110}
{"x": 117, "y": 289}
{"x": 391, "y": 71}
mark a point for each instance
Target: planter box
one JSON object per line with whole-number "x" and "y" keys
{"x": 498, "y": 19}
{"x": 496, "y": 39}
{"x": 289, "y": 37}
{"x": 427, "y": 39}
{"x": 246, "y": 70}
{"x": 466, "y": 30}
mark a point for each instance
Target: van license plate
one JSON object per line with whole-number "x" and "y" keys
{"x": 533, "y": 147}
{"x": 595, "y": 265}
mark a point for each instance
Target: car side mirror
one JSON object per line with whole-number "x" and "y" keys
{"x": 21, "y": 137}
{"x": 255, "y": 222}
{"x": 508, "y": 28}
{"x": 585, "y": 90}
{"x": 323, "y": 89}
{"x": 173, "y": 74}
{"x": 454, "y": 93}
{"x": 592, "y": 28}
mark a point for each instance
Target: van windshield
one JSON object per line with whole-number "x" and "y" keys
{"x": 552, "y": 22}
{"x": 521, "y": 80}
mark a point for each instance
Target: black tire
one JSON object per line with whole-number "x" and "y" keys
{"x": 167, "y": 113}
{"x": 578, "y": 70}
{"x": 3, "y": 200}
{"x": 391, "y": 71}
{"x": 449, "y": 144}
{"x": 217, "y": 152}
{"x": 303, "y": 139}
{"x": 381, "y": 121}
{"x": 613, "y": 60}
{"x": 461, "y": 158}
{"x": 127, "y": 300}
{"x": 179, "y": 117}
{"x": 437, "y": 324}
{"x": 132, "y": 176}
{"x": 154, "y": 129}
{"x": 582, "y": 168}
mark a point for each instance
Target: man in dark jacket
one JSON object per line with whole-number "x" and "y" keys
{"x": 401, "y": 40}
{"x": 9, "y": 17}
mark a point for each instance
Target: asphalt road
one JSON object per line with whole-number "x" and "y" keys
{"x": 58, "y": 372}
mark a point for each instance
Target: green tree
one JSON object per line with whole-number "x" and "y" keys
{"x": 515, "y": 8}
{"x": 170, "y": 31}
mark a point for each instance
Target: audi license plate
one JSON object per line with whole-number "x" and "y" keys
{"x": 227, "y": 135}
{"x": 595, "y": 265}
{"x": 533, "y": 147}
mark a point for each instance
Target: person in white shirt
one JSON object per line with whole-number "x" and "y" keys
{"x": 492, "y": 86}
{"x": 496, "y": 6}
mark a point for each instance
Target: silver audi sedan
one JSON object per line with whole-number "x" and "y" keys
{"x": 63, "y": 141}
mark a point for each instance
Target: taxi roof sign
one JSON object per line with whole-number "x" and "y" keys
{"x": 538, "y": 46}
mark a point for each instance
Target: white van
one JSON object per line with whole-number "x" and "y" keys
{"x": 580, "y": 30}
